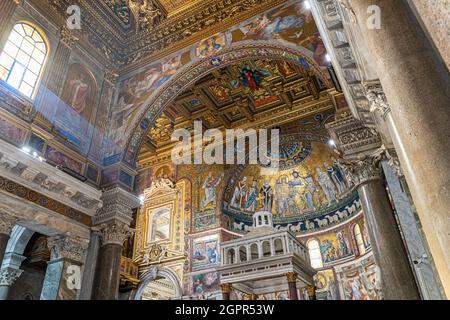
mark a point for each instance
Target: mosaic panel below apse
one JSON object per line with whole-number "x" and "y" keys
{"x": 205, "y": 252}
{"x": 205, "y": 283}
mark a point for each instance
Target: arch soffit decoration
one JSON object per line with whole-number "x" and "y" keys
{"x": 195, "y": 70}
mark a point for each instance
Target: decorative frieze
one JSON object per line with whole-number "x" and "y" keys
{"x": 8, "y": 276}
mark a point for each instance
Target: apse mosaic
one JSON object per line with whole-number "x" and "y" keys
{"x": 290, "y": 25}
{"x": 310, "y": 179}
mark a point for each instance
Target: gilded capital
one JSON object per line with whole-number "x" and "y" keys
{"x": 291, "y": 276}
{"x": 226, "y": 287}
{"x": 311, "y": 291}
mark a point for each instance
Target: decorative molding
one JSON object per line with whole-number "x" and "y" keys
{"x": 67, "y": 37}
{"x": 63, "y": 246}
{"x": 8, "y": 276}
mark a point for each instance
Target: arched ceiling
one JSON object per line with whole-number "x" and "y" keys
{"x": 237, "y": 96}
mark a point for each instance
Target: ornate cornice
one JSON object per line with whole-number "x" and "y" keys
{"x": 63, "y": 246}
{"x": 7, "y": 223}
{"x": 67, "y": 37}
{"x": 9, "y": 275}
{"x": 118, "y": 204}
{"x": 115, "y": 233}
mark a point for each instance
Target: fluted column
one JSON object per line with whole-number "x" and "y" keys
{"x": 292, "y": 285}
{"x": 226, "y": 290}
{"x": 7, "y": 8}
{"x": 389, "y": 252}
{"x": 51, "y": 89}
{"x": 63, "y": 275}
{"x": 417, "y": 87}
{"x": 112, "y": 221}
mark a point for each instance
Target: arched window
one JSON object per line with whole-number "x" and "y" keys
{"x": 22, "y": 58}
{"x": 359, "y": 239}
{"x": 314, "y": 254}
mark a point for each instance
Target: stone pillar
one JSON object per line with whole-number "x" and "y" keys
{"x": 417, "y": 87}
{"x": 7, "y": 8}
{"x": 63, "y": 275}
{"x": 112, "y": 221}
{"x": 7, "y": 278}
{"x": 292, "y": 284}
{"x": 51, "y": 90}
{"x": 311, "y": 290}
{"x": 226, "y": 290}
{"x": 7, "y": 223}
{"x": 389, "y": 252}
{"x": 106, "y": 285}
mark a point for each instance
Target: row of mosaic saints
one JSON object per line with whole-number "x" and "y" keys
{"x": 315, "y": 184}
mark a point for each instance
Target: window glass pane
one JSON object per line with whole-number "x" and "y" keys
{"x": 34, "y": 66}
{"x": 15, "y": 77}
{"x": 15, "y": 38}
{"x": 23, "y": 58}
{"x": 30, "y": 78}
{"x": 3, "y": 73}
{"x": 38, "y": 56}
{"x": 6, "y": 61}
{"x": 36, "y": 37}
{"x": 26, "y": 89}
{"x": 27, "y": 47}
{"x": 19, "y": 29}
{"x": 28, "y": 29}
{"x": 11, "y": 49}
{"x": 41, "y": 46}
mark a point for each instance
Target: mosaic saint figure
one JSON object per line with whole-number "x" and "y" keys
{"x": 267, "y": 194}
{"x": 309, "y": 193}
{"x": 327, "y": 186}
{"x": 209, "y": 187}
{"x": 282, "y": 195}
{"x": 240, "y": 194}
{"x": 343, "y": 245}
{"x": 336, "y": 175}
{"x": 251, "y": 203}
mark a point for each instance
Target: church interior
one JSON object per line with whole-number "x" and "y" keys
{"x": 93, "y": 207}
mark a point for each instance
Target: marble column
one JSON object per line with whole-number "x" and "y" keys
{"x": 417, "y": 88}
{"x": 112, "y": 222}
{"x": 49, "y": 95}
{"x": 226, "y": 290}
{"x": 7, "y": 223}
{"x": 106, "y": 285}
{"x": 63, "y": 275}
{"x": 389, "y": 252}
{"x": 292, "y": 285}
{"x": 7, "y": 8}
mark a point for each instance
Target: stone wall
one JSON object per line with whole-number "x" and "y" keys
{"x": 435, "y": 15}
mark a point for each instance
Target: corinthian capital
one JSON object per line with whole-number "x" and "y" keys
{"x": 7, "y": 222}
{"x": 364, "y": 169}
{"x": 63, "y": 246}
{"x": 115, "y": 233}
{"x": 9, "y": 275}
{"x": 377, "y": 98}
